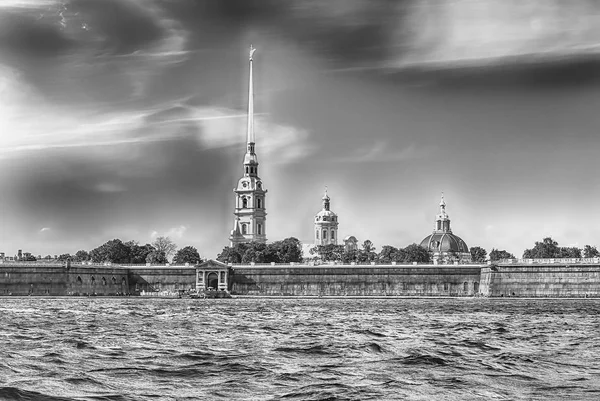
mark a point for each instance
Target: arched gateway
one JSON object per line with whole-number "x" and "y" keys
{"x": 212, "y": 275}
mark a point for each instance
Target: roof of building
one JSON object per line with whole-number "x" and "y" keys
{"x": 326, "y": 213}
{"x": 444, "y": 242}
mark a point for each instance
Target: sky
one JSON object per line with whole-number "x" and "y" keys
{"x": 126, "y": 119}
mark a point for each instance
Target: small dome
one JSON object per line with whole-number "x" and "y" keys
{"x": 325, "y": 213}
{"x": 444, "y": 242}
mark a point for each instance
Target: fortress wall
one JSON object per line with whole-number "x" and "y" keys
{"x": 348, "y": 280}
{"x": 161, "y": 279}
{"x": 97, "y": 280}
{"x": 56, "y": 279}
{"x": 29, "y": 280}
{"x": 551, "y": 280}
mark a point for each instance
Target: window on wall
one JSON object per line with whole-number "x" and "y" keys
{"x": 324, "y": 234}
{"x": 246, "y": 170}
{"x": 332, "y": 235}
{"x": 258, "y": 203}
{"x": 244, "y": 229}
{"x": 317, "y": 234}
{"x": 244, "y": 202}
{"x": 259, "y": 229}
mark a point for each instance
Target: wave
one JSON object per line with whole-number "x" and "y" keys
{"x": 17, "y": 394}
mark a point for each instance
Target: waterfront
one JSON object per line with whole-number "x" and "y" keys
{"x": 419, "y": 349}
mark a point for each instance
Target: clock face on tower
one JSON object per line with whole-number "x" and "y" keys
{"x": 244, "y": 184}
{"x": 258, "y": 184}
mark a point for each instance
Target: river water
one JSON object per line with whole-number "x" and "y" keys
{"x": 299, "y": 349}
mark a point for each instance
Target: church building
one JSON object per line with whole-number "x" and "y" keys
{"x": 250, "y": 212}
{"x": 442, "y": 244}
{"x": 326, "y": 224}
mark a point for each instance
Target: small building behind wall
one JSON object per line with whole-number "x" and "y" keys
{"x": 212, "y": 275}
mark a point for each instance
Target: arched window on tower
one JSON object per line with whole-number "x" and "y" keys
{"x": 244, "y": 229}
{"x": 259, "y": 203}
{"x": 332, "y": 235}
{"x": 259, "y": 229}
{"x": 325, "y": 235}
{"x": 439, "y": 225}
{"x": 317, "y": 233}
{"x": 244, "y": 202}
{"x": 246, "y": 169}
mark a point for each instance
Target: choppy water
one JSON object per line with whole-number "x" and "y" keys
{"x": 308, "y": 349}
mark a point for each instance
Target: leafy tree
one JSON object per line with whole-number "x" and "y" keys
{"x": 113, "y": 251}
{"x": 388, "y": 254}
{"x": 496, "y": 254}
{"x": 138, "y": 254}
{"x": 367, "y": 253}
{"x": 28, "y": 257}
{"x": 329, "y": 253}
{"x": 570, "y": 252}
{"x": 286, "y": 251}
{"x": 548, "y": 248}
{"x": 256, "y": 252}
{"x": 81, "y": 256}
{"x": 350, "y": 255}
{"x": 590, "y": 252}
{"x": 416, "y": 253}
{"x": 166, "y": 245}
{"x": 156, "y": 257}
{"x": 64, "y": 257}
{"x": 230, "y": 255}
{"x": 187, "y": 254}
{"x": 478, "y": 254}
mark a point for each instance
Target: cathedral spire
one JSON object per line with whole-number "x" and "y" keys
{"x": 443, "y": 206}
{"x": 250, "y": 212}
{"x": 250, "y": 136}
{"x": 442, "y": 220}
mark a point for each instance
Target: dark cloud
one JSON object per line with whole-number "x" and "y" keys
{"x": 27, "y": 35}
{"x": 123, "y": 27}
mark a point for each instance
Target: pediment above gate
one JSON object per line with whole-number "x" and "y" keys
{"x": 214, "y": 265}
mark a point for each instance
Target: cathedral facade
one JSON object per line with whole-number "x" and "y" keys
{"x": 249, "y": 223}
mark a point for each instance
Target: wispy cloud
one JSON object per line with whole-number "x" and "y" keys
{"x": 45, "y": 229}
{"x": 176, "y": 232}
{"x": 382, "y": 151}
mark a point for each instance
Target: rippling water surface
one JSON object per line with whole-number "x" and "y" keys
{"x": 299, "y": 349}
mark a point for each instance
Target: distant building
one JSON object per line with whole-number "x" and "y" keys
{"x": 444, "y": 246}
{"x": 250, "y": 213}
{"x": 326, "y": 224}
{"x": 350, "y": 243}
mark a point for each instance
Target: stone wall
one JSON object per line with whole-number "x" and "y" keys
{"x": 57, "y": 279}
{"x": 356, "y": 280}
{"x": 541, "y": 280}
{"x": 87, "y": 280}
{"x": 161, "y": 280}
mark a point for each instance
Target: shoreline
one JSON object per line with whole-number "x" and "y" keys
{"x": 297, "y": 297}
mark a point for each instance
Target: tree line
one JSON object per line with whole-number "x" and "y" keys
{"x": 116, "y": 251}
{"x": 290, "y": 250}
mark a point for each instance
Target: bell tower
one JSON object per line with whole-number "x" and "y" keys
{"x": 250, "y": 212}
{"x": 326, "y": 224}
